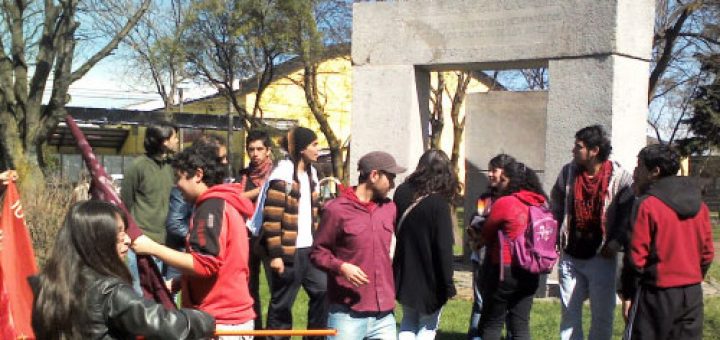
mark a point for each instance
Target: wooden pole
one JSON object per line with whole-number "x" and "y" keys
{"x": 278, "y": 332}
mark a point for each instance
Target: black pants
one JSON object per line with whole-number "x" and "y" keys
{"x": 257, "y": 258}
{"x": 284, "y": 289}
{"x": 669, "y": 313}
{"x": 508, "y": 301}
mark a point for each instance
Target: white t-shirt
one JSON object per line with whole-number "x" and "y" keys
{"x": 304, "y": 238}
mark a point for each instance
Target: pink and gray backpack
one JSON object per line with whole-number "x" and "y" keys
{"x": 535, "y": 249}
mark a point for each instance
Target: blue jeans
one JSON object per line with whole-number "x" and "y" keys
{"x": 353, "y": 325}
{"x": 134, "y": 271}
{"x": 416, "y": 325}
{"x": 581, "y": 279}
{"x": 473, "y": 329}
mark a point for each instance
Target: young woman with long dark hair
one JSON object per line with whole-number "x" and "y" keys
{"x": 85, "y": 292}
{"x": 477, "y": 221}
{"x": 423, "y": 263}
{"x": 508, "y": 297}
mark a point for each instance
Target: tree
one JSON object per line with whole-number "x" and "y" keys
{"x": 230, "y": 41}
{"x": 316, "y": 24}
{"x": 156, "y": 52}
{"x": 42, "y": 38}
{"x": 704, "y": 125}
{"x": 683, "y": 29}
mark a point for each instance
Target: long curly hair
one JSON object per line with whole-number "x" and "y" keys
{"x": 434, "y": 174}
{"x": 86, "y": 247}
{"x": 520, "y": 176}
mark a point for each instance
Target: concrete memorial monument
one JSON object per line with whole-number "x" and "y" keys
{"x": 597, "y": 54}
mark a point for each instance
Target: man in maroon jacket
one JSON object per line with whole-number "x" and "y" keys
{"x": 353, "y": 246}
{"x": 670, "y": 251}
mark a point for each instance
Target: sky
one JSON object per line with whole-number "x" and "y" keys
{"x": 108, "y": 85}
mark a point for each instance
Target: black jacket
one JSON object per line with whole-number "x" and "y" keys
{"x": 423, "y": 263}
{"x": 115, "y": 311}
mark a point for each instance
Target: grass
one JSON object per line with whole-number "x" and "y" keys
{"x": 544, "y": 318}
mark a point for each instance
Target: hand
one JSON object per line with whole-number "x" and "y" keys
{"x": 354, "y": 274}
{"x": 169, "y": 285}
{"x": 7, "y": 176}
{"x": 277, "y": 265}
{"x": 143, "y": 245}
{"x": 251, "y": 194}
{"x": 626, "y": 305}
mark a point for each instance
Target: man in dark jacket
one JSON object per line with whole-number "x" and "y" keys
{"x": 252, "y": 178}
{"x": 591, "y": 200}
{"x": 353, "y": 246}
{"x": 670, "y": 251}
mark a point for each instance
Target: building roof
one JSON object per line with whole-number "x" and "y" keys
{"x": 293, "y": 65}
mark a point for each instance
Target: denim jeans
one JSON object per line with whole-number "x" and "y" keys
{"x": 507, "y": 302}
{"x": 353, "y": 325}
{"x": 416, "y": 325}
{"x": 473, "y": 329}
{"x": 581, "y": 279}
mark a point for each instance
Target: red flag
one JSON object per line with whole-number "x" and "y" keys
{"x": 151, "y": 280}
{"x": 17, "y": 263}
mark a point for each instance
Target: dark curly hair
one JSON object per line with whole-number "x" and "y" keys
{"x": 662, "y": 156}
{"x": 434, "y": 174}
{"x": 520, "y": 176}
{"x": 595, "y": 136}
{"x": 201, "y": 156}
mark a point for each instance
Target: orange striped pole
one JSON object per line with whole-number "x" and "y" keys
{"x": 278, "y": 332}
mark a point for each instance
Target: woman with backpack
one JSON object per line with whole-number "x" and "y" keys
{"x": 508, "y": 289}
{"x": 423, "y": 263}
{"x": 474, "y": 229}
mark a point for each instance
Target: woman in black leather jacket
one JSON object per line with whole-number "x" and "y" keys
{"x": 84, "y": 290}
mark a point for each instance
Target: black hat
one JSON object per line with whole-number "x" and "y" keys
{"x": 298, "y": 139}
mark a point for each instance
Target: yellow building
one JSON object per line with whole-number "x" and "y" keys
{"x": 284, "y": 99}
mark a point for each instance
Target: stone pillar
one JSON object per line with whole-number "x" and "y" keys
{"x": 387, "y": 115}
{"x": 616, "y": 100}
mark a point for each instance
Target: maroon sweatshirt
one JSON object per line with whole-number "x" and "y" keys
{"x": 358, "y": 233}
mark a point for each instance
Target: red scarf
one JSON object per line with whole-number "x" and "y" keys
{"x": 589, "y": 197}
{"x": 258, "y": 174}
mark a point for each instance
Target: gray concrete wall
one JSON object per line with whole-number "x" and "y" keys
{"x": 611, "y": 91}
{"x": 387, "y": 114}
{"x": 502, "y": 122}
{"x": 433, "y": 32}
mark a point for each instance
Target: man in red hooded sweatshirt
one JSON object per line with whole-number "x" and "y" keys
{"x": 215, "y": 264}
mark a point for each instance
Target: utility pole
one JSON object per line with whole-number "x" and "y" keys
{"x": 181, "y": 135}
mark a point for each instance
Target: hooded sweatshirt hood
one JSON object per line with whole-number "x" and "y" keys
{"x": 530, "y": 198}
{"x": 232, "y": 194}
{"x": 681, "y": 194}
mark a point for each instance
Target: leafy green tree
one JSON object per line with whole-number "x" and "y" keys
{"x": 704, "y": 124}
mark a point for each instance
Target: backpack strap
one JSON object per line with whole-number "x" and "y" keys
{"x": 407, "y": 212}
{"x": 501, "y": 244}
